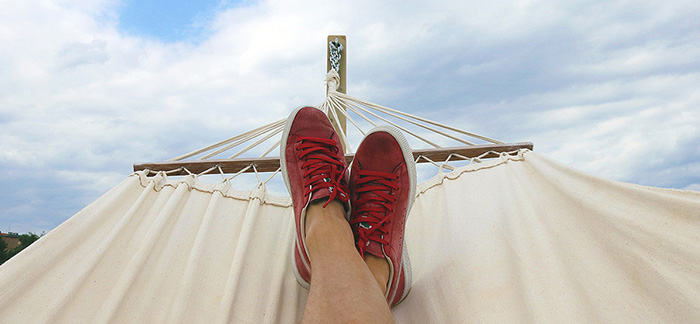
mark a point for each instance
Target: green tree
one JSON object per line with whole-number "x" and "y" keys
{"x": 4, "y": 254}
{"x": 25, "y": 240}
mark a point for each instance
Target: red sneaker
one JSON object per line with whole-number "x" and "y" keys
{"x": 313, "y": 166}
{"x": 382, "y": 190}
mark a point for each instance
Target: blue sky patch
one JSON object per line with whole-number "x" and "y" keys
{"x": 169, "y": 21}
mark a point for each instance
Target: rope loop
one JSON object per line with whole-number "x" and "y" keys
{"x": 332, "y": 81}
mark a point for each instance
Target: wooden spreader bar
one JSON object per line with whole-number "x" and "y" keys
{"x": 271, "y": 164}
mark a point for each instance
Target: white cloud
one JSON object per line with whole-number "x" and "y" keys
{"x": 76, "y": 54}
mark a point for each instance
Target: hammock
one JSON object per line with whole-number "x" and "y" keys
{"x": 516, "y": 239}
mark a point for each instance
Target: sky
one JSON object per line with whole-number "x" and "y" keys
{"x": 88, "y": 87}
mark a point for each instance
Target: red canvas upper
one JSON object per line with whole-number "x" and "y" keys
{"x": 380, "y": 191}
{"x": 314, "y": 168}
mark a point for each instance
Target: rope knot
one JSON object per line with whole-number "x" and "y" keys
{"x": 332, "y": 80}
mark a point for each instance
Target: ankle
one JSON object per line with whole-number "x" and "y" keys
{"x": 379, "y": 268}
{"x": 315, "y": 212}
{"x": 326, "y": 224}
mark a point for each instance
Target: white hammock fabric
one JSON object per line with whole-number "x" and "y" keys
{"x": 518, "y": 239}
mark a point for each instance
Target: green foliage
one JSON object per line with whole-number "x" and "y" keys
{"x": 25, "y": 240}
{"x": 4, "y": 255}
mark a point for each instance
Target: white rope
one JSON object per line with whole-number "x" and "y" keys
{"x": 477, "y": 159}
{"x": 378, "y": 108}
{"x": 223, "y": 175}
{"x": 248, "y": 136}
{"x": 446, "y": 164}
{"x": 340, "y": 130}
{"x": 337, "y": 105}
{"x": 149, "y": 171}
{"x": 271, "y": 176}
{"x": 459, "y": 156}
{"x": 272, "y": 148}
{"x": 324, "y": 106}
{"x": 369, "y": 104}
{"x": 332, "y": 81}
{"x": 239, "y": 172}
{"x": 350, "y": 106}
{"x": 249, "y": 147}
{"x": 394, "y": 124}
{"x": 176, "y": 170}
{"x": 208, "y": 170}
{"x": 347, "y": 115}
{"x": 432, "y": 162}
{"x": 257, "y": 175}
{"x": 224, "y": 142}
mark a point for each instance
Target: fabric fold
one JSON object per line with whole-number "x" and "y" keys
{"x": 516, "y": 239}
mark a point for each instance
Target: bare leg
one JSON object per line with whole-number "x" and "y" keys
{"x": 380, "y": 270}
{"x": 343, "y": 289}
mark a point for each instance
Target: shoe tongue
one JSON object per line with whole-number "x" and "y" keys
{"x": 375, "y": 249}
{"x": 324, "y": 193}
{"x": 320, "y": 193}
